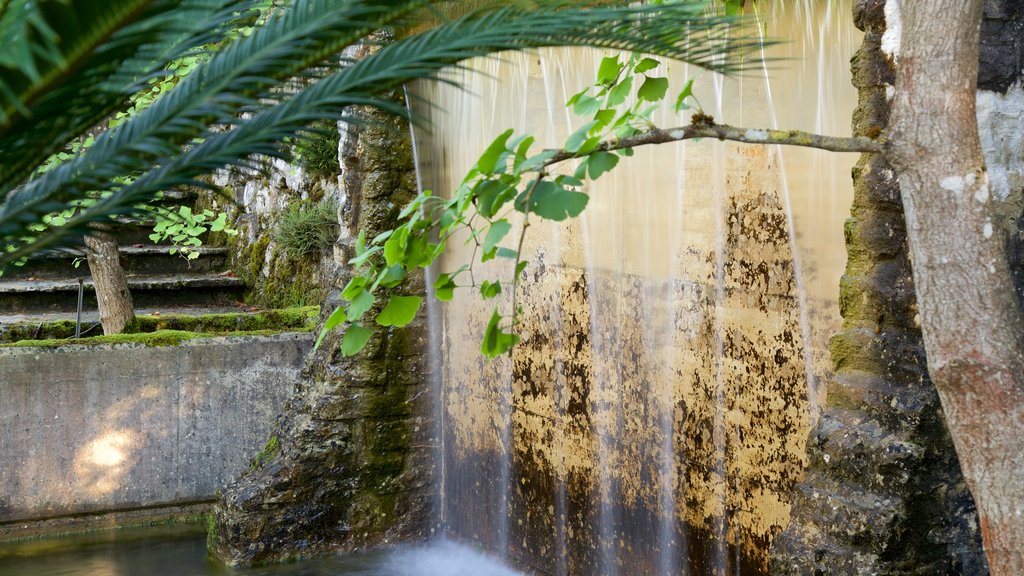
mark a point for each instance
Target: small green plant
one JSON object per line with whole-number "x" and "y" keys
{"x": 183, "y": 228}
{"x": 316, "y": 151}
{"x": 305, "y": 229}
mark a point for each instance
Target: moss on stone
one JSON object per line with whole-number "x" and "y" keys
{"x": 268, "y": 452}
{"x": 290, "y": 319}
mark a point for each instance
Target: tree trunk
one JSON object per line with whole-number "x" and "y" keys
{"x": 115, "y": 301}
{"x": 971, "y": 319}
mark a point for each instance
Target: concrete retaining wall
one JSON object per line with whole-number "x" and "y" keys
{"x": 85, "y": 429}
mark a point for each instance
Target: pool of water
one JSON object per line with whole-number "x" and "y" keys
{"x": 178, "y": 551}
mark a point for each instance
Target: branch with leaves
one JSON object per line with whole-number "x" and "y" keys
{"x": 508, "y": 181}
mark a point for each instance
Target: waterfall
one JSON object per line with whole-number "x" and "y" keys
{"x": 654, "y": 417}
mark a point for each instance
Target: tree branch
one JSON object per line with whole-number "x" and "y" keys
{"x": 704, "y": 127}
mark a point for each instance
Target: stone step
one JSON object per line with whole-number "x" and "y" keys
{"x": 209, "y": 319}
{"x": 137, "y": 260}
{"x": 20, "y": 296}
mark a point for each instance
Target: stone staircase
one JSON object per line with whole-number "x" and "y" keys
{"x": 46, "y": 287}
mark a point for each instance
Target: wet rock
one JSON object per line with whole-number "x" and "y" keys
{"x": 352, "y": 467}
{"x": 883, "y": 493}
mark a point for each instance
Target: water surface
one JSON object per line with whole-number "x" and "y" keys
{"x": 177, "y": 551}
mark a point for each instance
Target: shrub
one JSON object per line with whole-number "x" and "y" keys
{"x": 307, "y": 228}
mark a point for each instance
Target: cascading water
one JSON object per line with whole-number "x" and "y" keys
{"x": 654, "y": 417}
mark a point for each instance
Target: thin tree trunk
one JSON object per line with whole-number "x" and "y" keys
{"x": 115, "y": 301}
{"x": 970, "y": 316}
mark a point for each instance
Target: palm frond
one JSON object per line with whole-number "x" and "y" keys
{"x": 233, "y": 80}
{"x": 241, "y": 77}
{"x": 117, "y": 67}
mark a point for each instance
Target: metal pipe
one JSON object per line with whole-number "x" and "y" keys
{"x": 78, "y": 318}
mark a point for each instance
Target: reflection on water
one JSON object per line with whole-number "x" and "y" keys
{"x": 178, "y": 551}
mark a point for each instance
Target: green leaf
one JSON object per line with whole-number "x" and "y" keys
{"x": 653, "y": 89}
{"x": 609, "y": 70}
{"x": 355, "y": 339}
{"x": 572, "y": 100}
{"x": 523, "y": 147}
{"x": 496, "y": 233}
{"x": 686, "y": 93}
{"x": 579, "y": 137}
{"x": 444, "y": 288}
{"x": 496, "y": 342}
{"x": 448, "y": 219}
{"x": 399, "y": 311}
{"x": 507, "y": 253}
{"x": 536, "y": 162}
{"x": 487, "y": 164}
{"x": 394, "y": 248}
{"x": 492, "y": 195}
{"x": 353, "y": 288}
{"x": 333, "y": 321}
{"x": 392, "y": 276}
{"x": 586, "y": 105}
{"x": 581, "y": 169}
{"x": 361, "y": 243}
{"x": 521, "y": 266}
{"x": 490, "y": 289}
{"x": 645, "y": 65}
{"x": 362, "y": 258}
{"x": 359, "y": 305}
{"x": 411, "y": 207}
{"x": 601, "y": 162}
{"x": 620, "y": 92}
{"x": 589, "y": 145}
{"x": 553, "y": 202}
{"x": 604, "y": 117}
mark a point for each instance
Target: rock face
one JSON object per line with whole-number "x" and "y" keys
{"x": 883, "y": 492}
{"x": 276, "y": 278}
{"x": 349, "y": 463}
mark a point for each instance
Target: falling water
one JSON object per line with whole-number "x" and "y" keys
{"x": 653, "y": 419}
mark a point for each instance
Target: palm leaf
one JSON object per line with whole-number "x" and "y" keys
{"x": 676, "y": 30}
{"x": 232, "y": 81}
{"x": 101, "y": 84}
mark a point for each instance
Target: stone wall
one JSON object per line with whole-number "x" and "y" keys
{"x": 351, "y": 465}
{"x": 883, "y": 493}
{"x": 102, "y": 428}
{"x": 255, "y": 201}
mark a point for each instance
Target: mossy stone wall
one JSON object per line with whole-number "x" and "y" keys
{"x": 255, "y": 202}
{"x": 883, "y": 492}
{"x": 351, "y": 464}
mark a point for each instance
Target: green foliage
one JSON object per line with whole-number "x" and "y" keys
{"x": 507, "y": 180}
{"x": 288, "y": 319}
{"x": 193, "y": 116}
{"x": 305, "y": 229}
{"x": 188, "y": 109}
{"x": 316, "y": 151}
{"x": 184, "y": 228}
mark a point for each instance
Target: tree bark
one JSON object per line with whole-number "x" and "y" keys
{"x": 115, "y": 301}
{"x": 970, "y": 317}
